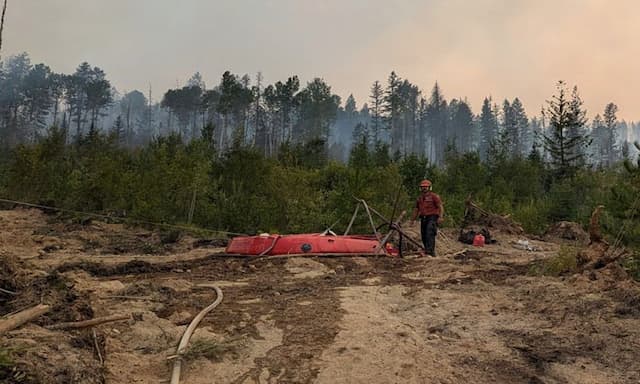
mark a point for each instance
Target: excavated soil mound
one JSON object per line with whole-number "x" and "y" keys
{"x": 567, "y": 230}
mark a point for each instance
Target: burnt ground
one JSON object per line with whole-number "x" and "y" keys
{"x": 479, "y": 316}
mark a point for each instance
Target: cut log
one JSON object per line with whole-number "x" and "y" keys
{"x": 22, "y": 317}
{"x": 88, "y": 323}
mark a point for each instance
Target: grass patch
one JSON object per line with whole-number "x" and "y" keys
{"x": 212, "y": 350}
{"x": 632, "y": 265}
{"x": 12, "y": 371}
{"x": 564, "y": 262}
{"x": 6, "y": 360}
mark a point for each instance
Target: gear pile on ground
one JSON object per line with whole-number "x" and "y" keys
{"x": 468, "y": 234}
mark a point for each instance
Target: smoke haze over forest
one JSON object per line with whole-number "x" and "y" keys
{"x": 501, "y": 48}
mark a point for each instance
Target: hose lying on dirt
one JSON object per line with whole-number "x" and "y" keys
{"x": 184, "y": 341}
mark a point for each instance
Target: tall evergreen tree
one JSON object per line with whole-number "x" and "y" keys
{"x": 118, "y": 130}
{"x": 88, "y": 94}
{"x": 12, "y": 99}
{"x": 508, "y": 130}
{"x": 488, "y": 127}
{"x": 522, "y": 135}
{"x": 409, "y": 108}
{"x": 377, "y": 107}
{"x": 436, "y": 116}
{"x": 235, "y": 100}
{"x": 535, "y": 129}
{"x": 318, "y": 108}
{"x": 566, "y": 142}
{"x": 610, "y": 121}
{"x": 461, "y": 125}
{"x": 392, "y": 108}
{"x": 38, "y": 99}
{"x": 281, "y": 100}
{"x": 133, "y": 107}
{"x": 598, "y": 134}
{"x": 260, "y": 127}
{"x": 577, "y": 129}
{"x": 184, "y": 103}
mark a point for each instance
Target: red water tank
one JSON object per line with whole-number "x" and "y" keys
{"x": 478, "y": 240}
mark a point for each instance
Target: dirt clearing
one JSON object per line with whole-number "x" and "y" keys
{"x": 478, "y": 316}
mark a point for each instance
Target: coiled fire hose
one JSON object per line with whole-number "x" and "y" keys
{"x": 184, "y": 341}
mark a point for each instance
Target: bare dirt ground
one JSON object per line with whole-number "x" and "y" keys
{"x": 476, "y": 317}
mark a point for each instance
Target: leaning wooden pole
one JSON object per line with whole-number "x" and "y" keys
{"x": 4, "y": 11}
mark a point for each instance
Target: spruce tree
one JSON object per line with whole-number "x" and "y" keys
{"x": 521, "y": 123}
{"x": 462, "y": 125}
{"x": 392, "y": 109}
{"x": 508, "y": 136}
{"x": 377, "y": 100}
{"x": 610, "y": 125}
{"x": 566, "y": 140}
{"x": 599, "y": 147}
{"x": 436, "y": 118}
{"x": 488, "y": 127}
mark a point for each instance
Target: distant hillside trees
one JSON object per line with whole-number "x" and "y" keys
{"x": 397, "y": 117}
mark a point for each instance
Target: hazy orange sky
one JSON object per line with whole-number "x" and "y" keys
{"x": 473, "y": 48}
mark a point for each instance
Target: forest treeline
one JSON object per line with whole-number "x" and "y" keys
{"x": 242, "y": 111}
{"x": 286, "y": 158}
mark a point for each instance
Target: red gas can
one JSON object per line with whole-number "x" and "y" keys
{"x": 478, "y": 240}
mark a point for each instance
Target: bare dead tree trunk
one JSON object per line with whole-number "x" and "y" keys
{"x": 4, "y": 11}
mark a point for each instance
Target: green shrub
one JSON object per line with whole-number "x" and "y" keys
{"x": 300, "y": 191}
{"x": 632, "y": 265}
{"x": 563, "y": 263}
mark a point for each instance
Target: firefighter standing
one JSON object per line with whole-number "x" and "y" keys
{"x": 431, "y": 211}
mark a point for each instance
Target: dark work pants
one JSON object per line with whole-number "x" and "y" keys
{"x": 429, "y": 230}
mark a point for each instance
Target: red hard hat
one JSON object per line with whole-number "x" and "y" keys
{"x": 425, "y": 183}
